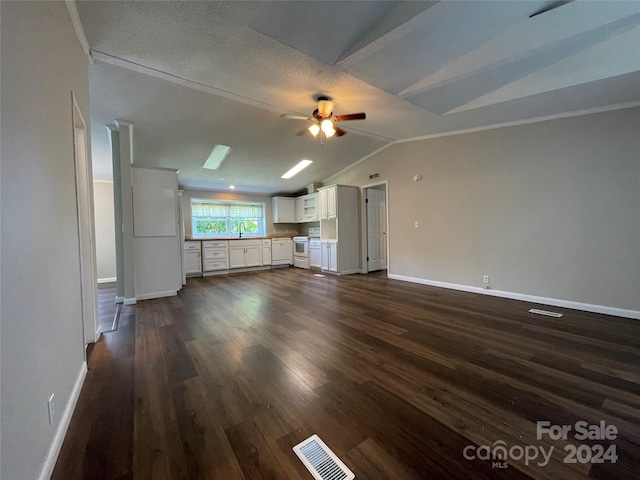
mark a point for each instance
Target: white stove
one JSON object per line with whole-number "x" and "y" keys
{"x": 301, "y": 252}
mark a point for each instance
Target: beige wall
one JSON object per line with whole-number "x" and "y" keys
{"x": 550, "y": 209}
{"x": 42, "y": 347}
{"x": 105, "y": 229}
{"x": 237, "y": 197}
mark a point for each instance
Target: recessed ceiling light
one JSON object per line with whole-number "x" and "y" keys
{"x": 301, "y": 165}
{"x": 217, "y": 156}
{"x": 232, "y": 187}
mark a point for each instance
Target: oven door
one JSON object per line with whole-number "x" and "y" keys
{"x": 301, "y": 248}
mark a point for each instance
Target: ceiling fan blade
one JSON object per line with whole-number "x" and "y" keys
{"x": 294, "y": 117}
{"x": 339, "y": 131}
{"x": 351, "y": 116}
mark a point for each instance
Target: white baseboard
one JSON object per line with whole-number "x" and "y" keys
{"x": 587, "y": 307}
{"x": 149, "y": 296}
{"x": 128, "y": 301}
{"x": 107, "y": 280}
{"x": 61, "y": 431}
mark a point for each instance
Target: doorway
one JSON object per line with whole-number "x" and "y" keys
{"x": 376, "y": 228}
{"x": 86, "y": 232}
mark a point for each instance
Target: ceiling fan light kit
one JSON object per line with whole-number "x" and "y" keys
{"x": 324, "y": 119}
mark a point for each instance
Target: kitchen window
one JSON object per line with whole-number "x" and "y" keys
{"x": 210, "y": 218}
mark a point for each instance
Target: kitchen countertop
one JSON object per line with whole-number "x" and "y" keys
{"x": 236, "y": 238}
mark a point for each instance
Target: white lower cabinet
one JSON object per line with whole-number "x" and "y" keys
{"x": 245, "y": 253}
{"x": 266, "y": 252}
{"x": 329, "y": 253}
{"x": 192, "y": 258}
{"x": 215, "y": 255}
{"x": 315, "y": 254}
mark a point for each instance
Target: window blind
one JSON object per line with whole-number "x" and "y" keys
{"x": 224, "y": 210}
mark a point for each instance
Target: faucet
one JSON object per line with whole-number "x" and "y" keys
{"x": 242, "y": 226}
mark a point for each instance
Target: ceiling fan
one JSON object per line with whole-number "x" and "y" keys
{"x": 324, "y": 120}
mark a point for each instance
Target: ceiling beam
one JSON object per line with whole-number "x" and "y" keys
{"x": 80, "y": 33}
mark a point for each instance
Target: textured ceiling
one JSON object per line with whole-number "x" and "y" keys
{"x": 191, "y": 74}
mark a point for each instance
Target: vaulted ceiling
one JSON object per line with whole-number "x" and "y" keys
{"x": 189, "y": 75}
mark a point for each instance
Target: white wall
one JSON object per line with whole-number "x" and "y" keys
{"x": 105, "y": 229}
{"x": 550, "y": 209}
{"x": 236, "y": 197}
{"x": 42, "y": 348}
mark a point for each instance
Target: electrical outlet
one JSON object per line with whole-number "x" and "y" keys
{"x": 485, "y": 279}
{"x": 415, "y": 224}
{"x": 52, "y": 408}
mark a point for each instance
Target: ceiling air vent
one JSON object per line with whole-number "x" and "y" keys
{"x": 321, "y": 461}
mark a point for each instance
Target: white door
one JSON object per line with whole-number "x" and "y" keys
{"x": 376, "y": 204}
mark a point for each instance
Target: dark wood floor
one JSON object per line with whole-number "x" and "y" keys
{"x": 107, "y": 307}
{"x": 223, "y": 380}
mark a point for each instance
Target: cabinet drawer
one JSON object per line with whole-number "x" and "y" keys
{"x": 191, "y": 246}
{"x": 215, "y": 244}
{"x": 215, "y": 253}
{"x": 210, "y": 265}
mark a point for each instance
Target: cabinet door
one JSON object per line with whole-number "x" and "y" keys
{"x": 315, "y": 256}
{"x": 253, "y": 256}
{"x": 266, "y": 252}
{"x": 236, "y": 257}
{"x": 283, "y": 210}
{"x": 299, "y": 210}
{"x": 322, "y": 204}
{"x": 192, "y": 262}
{"x": 333, "y": 256}
{"x": 331, "y": 202}
{"x": 324, "y": 255}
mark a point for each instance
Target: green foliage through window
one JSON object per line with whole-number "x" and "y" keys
{"x": 225, "y": 219}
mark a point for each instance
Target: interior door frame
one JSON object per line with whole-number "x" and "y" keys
{"x": 86, "y": 227}
{"x": 363, "y": 223}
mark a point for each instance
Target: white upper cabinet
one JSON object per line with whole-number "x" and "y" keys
{"x": 327, "y": 202}
{"x": 309, "y": 207}
{"x": 299, "y": 210}
{"x": 284, "y": 210}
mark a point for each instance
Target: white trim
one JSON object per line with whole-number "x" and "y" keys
{"x": 98, "y": 332}
{"x": 119, "y": 299}
{"x": 80, "y": 33}
{"x": 587, "y": 307}
{"x": 61, "y": 431}
{"x": 128, "y": 301}
{"x": 107, "y": 280}
{"x": 515, "y": 123}
{"x": 149, "y": 296}
{"x": 102, "y": 180}
{"x": 346, "y": 272}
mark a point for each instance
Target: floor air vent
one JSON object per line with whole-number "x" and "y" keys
{"x": 321, "y": 461}
{"x": 545, "y": 312}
